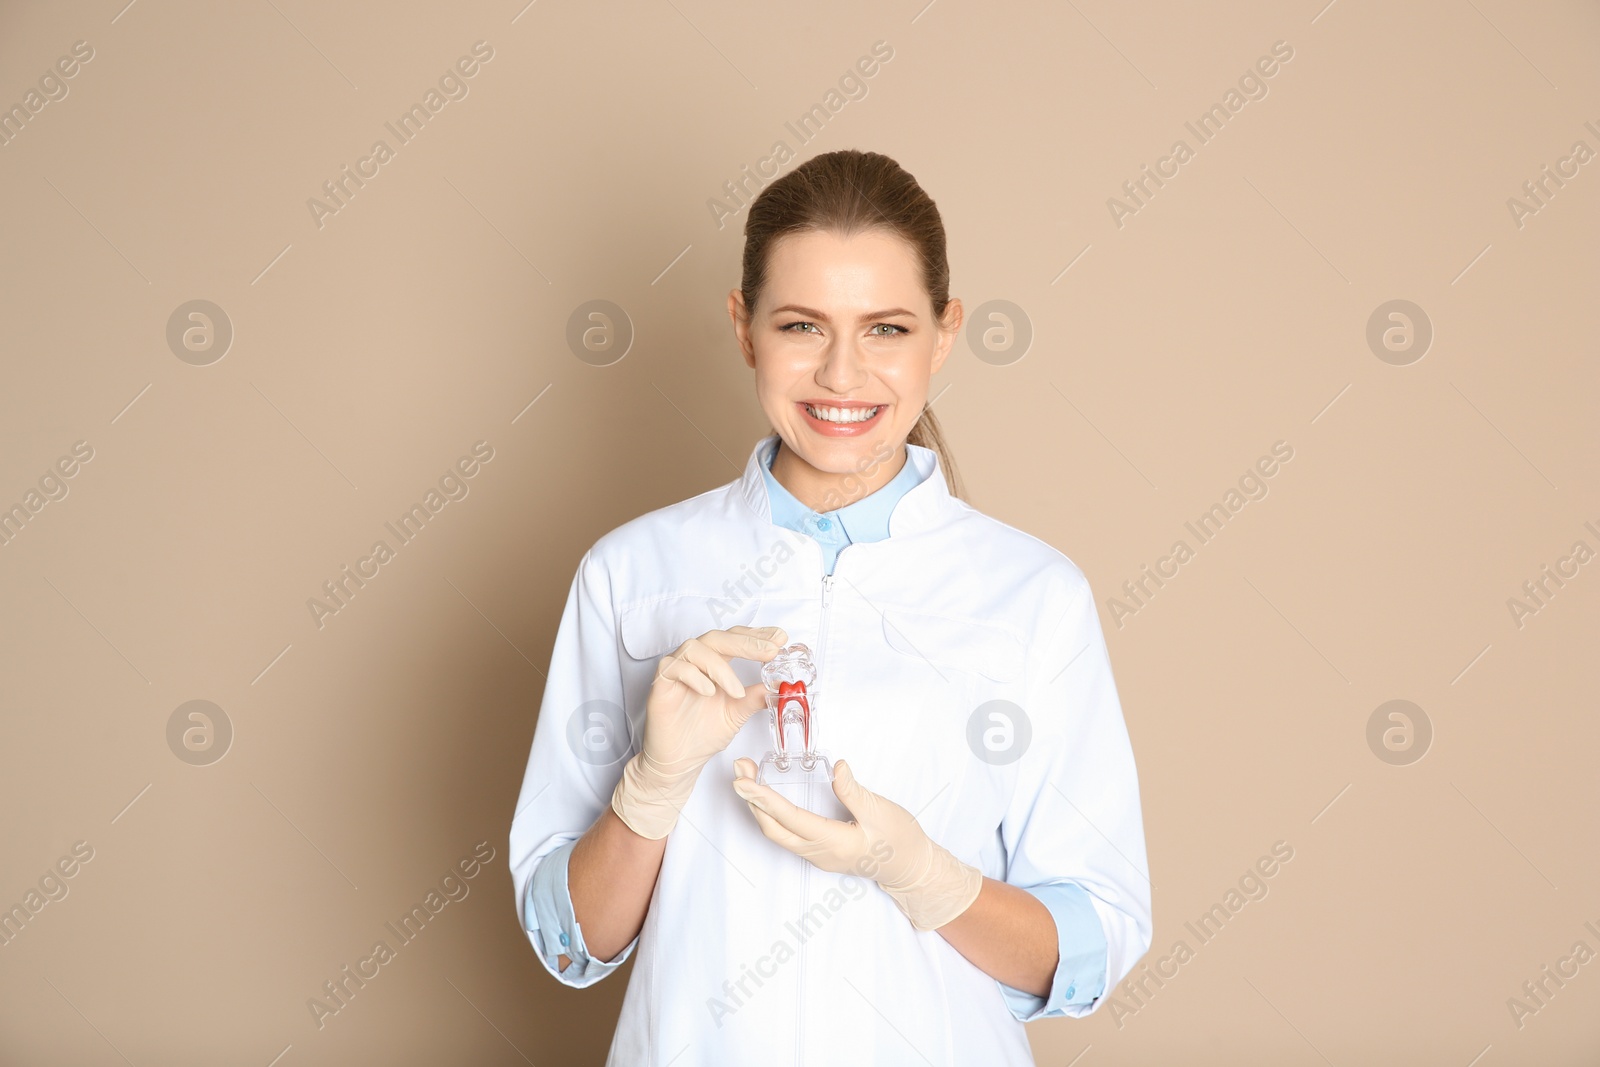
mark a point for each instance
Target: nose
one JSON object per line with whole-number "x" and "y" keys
{"x": 843, "y": 366}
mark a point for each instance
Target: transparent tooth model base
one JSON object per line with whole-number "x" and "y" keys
{"x": 791, "y": 681}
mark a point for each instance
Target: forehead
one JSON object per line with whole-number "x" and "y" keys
{"x": 824, "y": 269}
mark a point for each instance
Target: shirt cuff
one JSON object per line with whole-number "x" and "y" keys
{"x": 555, "y": 929}
{"x": 1080, "y": 976}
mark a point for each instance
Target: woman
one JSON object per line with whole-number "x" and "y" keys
{"x": 987, "y": 866}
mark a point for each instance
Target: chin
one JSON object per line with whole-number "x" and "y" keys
{"x": 850, "y": 455}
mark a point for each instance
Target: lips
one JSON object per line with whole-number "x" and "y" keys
{"x": 840, "y": 418}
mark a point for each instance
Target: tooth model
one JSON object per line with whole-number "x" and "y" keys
{"x": 791, "y": 681}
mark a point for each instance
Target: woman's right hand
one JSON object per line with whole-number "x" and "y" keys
{"x": 695, "y": 707}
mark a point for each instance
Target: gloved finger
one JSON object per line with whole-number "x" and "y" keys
{"x": 860, "y": 801}
{"x": 806, "y": 824}
{"x": 748, "y": 788}
{"x": 753, "y": 793}
{"x": 713, "y": 665}
{"x": 778, "y": 833}
{"x": 675, "y": 668}
{"x": 736, "y": 711}
{"x": 754, "y": 699}
{"x": 742, "y": 642}
{"x": 772, "y": 633}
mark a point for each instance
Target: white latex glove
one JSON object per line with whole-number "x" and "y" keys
{"x": 884, "y": 843}
{"x": 695, "y": 707}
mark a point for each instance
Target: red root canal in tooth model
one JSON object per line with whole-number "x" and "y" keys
{"x": 794, "y": 693}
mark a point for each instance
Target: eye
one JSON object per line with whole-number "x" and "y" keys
{"x": 891, "y": 326}
{"x": 790, "y": 327}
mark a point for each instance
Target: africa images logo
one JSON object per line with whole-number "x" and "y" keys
{"x": 453, "y": 485}
{"x": 453, "y": 887}
{"x": 453, "y": 85}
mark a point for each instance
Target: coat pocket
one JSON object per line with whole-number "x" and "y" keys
{"x": 656, "y": 628}
{"x": 951, "y": 669}
{"x": 965, "y": 645}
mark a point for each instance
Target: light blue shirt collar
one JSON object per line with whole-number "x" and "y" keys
{"x": 863, "y": 520}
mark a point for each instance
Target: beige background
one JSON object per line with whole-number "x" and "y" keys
{"x": 1229, "y": 313}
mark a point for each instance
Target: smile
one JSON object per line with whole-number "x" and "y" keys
{"x": 841, "y": 418}
{"x": 842, "y": 415}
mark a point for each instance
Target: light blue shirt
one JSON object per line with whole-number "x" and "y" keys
{"x": 1080, "y": 975}
{"x": 865, "y": 520}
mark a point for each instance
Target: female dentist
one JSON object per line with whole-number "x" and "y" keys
{"x": 988, "y": 865}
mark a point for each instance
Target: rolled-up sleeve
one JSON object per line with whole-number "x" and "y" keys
{"x": 1080, "y": 976}
{"x": 1073, "y": 830}
{"x": 580, "y": 743}
{"x": 555, "y": 929}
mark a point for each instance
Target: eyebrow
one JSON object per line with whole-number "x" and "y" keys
{"x": 813, "y": 313}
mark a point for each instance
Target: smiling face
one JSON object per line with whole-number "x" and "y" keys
{"x": 843, "y": 342}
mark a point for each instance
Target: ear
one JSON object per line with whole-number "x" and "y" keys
{"x": 741, "y": 326}
{"x": 949, "y": 330}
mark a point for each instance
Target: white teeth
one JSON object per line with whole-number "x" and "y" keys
{"x": 842, "y": 414}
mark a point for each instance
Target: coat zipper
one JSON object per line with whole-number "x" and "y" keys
{"x": 805, "y": 872}
{"x": 827, "y": 598}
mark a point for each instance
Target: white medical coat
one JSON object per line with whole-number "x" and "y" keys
{"x": 748, "y": 953}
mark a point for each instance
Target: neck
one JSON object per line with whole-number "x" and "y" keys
{"x": 822, "y": 490}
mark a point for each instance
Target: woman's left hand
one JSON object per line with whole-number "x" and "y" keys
{"x": 884, "y": 842}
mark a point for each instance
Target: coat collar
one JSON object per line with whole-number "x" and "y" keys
{"x": 924, "y": 506}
